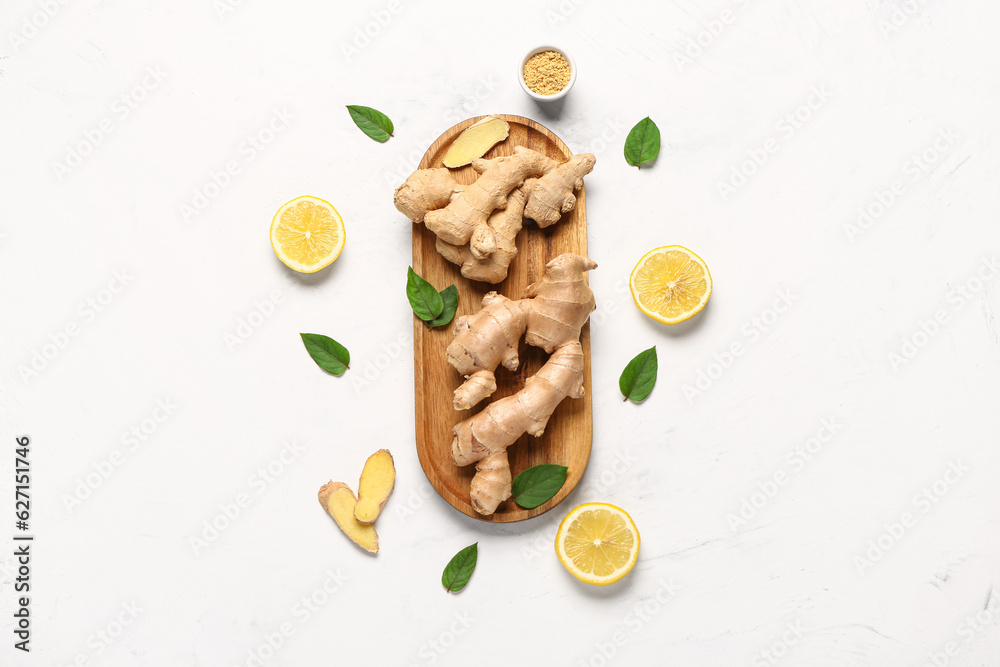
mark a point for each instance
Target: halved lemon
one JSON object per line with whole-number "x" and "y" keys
{"x": 598, "y": 543}
{"x": 307, "y": 234}
{"x": 670, "y": 284}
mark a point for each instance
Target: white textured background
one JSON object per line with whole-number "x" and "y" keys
{"x": 904, "y": 96}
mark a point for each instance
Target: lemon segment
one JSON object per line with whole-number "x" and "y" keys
{"x": 670, "y": 284}
{"x": 307, "y": 234}
{"x": 598, "y": 543}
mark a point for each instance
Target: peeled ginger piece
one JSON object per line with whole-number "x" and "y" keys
{"x": 475, "y": 140}
{"x": 377, "y": 481}
{"x": 339, "y": 502}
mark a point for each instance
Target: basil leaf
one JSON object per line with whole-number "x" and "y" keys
{"x": 642, "y": 143}
{"x": 373, "y": 123}
{"x": 328, "y": 354}
{"x": 460, "y": 568}
{"x": 538, "y": 484}
{"x": 639, "y": 376}
{"x": 449, "y": 297}
{"x": 425, "y": 301}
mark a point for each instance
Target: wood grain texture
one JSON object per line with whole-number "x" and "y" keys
{"x": 567, "y": 438}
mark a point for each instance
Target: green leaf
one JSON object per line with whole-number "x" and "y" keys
{"x": 538, "y": 484}
{"x": 639, "y": 376}
{"x": 449, "y": 297}
{"x": 426, "y": 302}
{"x": 328, "y": 354}
{"x": 373, "y": 123}
{"x": 642, "y": 143}
{"x": 460, "y": 568}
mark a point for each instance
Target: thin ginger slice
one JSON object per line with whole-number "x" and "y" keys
{"x": 378, "y": 478}
{"x": 475, "y": 140}
{"x": 339, "y": 502}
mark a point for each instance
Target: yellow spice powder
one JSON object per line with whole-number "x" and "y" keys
{"x": 547, "y": 73}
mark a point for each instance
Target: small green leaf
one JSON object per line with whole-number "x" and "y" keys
{"x": 538, "y": 484}
{"x": 328, "y": 354}
{"x": 426, "y": 302}
{"x": 449, "y": 297}
{"x": 373, "y": 123}
{"x": 639, "y": 376}
{"x": 642, "y": 143}
{"x": 460, "y": 568}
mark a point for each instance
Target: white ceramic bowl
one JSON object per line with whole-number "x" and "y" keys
{"x": 561, "y": 93}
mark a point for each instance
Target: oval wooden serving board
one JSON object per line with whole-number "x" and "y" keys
{"x": 567, "y": 437}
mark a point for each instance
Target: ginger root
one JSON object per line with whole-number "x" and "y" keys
{"x": 466, "y": 214}
{"x": 425, "y": 190}
{"x": 485, "y": 437}
{"x": 552, "y": 194}
{"x": 339, "y": 502}
{"x": 482, "y": 342}
{"x": 475, "y": 140}
{"x": 505, "y": 224}
{"x": 378, "y": 478}
{"x": 561, "y": 302}
{"x": 492, "y": 483}
{"x": 551, "y": 313}
{"x": 550, "y": 316}
{"x": 476, "y": 225}
{"x": 478, "y": 386}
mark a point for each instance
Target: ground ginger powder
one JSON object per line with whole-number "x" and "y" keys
{"x": 547, "y": 73}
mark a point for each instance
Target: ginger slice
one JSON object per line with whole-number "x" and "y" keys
{"x": 475, "y": 140}
{"x": 377, "y": 481}
{"x": 339, "y": 502}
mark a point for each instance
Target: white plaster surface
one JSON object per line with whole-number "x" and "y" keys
{"x": 875, "y": 546}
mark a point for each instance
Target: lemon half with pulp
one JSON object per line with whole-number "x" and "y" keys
{"x": 598, "y": 543}
{"x": 307, "y": 234}
{"x": 671, "y": 284}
